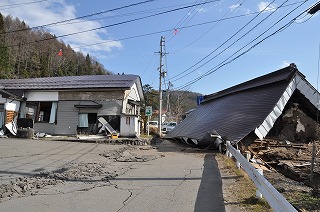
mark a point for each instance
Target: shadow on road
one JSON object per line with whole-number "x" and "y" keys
{"x": 210, "y": 196}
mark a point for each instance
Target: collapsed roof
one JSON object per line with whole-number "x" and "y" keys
{"x": 248, "y": 109}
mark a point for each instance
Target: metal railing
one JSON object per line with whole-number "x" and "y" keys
{"x": 276, "y": 201}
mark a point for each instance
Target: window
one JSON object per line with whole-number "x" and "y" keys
{"x": 42, "y": 111}
{"x": 128, "y": 120}
{"x": 86, "y": 119}
{"x": 1, "y": 115}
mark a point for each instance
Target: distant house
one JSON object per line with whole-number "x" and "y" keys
{"x": 256, "y": 109}
{"x": 73, "y": 104}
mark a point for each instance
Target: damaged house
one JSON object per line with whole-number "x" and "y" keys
{"x": 73, "y": 104}
{"x": 281, "y": 104}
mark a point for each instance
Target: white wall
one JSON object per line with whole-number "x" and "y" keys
{"x": 49, "y": 96}
{"x": 131, "y": 129}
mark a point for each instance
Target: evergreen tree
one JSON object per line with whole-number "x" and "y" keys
{"x": 4, "y": 56}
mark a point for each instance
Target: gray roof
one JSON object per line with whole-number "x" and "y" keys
{"x": 71, "y": 82}
{"x": 252, "y": 106}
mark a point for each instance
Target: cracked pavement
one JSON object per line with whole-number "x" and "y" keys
{"x": 88, "y": 177}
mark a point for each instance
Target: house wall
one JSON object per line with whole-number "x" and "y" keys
{"x": 129, "y": 128}
{"x": 68, "y": 115}
{"x": 91, "y": 95}
{"x": 67, "y": 118}
{"x": 41, "y": 96}
{"x": 110, "y": 107}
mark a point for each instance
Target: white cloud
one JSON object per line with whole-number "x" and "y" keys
{"x": 58, "y": 10}
{"x": 202, "y": 10}
{"x": 264, "y": 6}
{"x": 285, "y": 64}
{"x": 234, "y": 7}
{"x": 240, "y": 8}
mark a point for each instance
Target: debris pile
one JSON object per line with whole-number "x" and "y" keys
{"x": 128, "y": 154}
{"x": 293, "y": 160}
{"x": 125, "y": 141}
{"x": 25, "y": 186}
{"x": 80, "y": 172}
{"x": 85, "y": 172}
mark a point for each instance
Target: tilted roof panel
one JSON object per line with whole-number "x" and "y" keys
{"x": 283, "y": 74}
{"x": 235, "y": 115}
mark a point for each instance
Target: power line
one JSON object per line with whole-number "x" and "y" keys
{"x": 170, "y": 30}
{"x": 185, "y": 18}
{"x": 227, "y": 61}
{"x": 116, "y": 24}
{"x": 123, "y": 15}
{"x": 81, "y": 17}
{"x": 184, "y": 74}
{"x": 206, "y": 32}
{"x": 223, "y": 19}
{"x": 20, "y": 4}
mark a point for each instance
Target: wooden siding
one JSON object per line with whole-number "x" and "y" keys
{"x": 40, "y": 127}
{"x": 67, "y": 118}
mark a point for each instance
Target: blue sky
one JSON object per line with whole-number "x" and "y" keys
{"x": 208, "y": 35}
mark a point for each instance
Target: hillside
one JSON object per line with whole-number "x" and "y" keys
{"x": 31, "y": 53}
{"x": 175, "y": 103}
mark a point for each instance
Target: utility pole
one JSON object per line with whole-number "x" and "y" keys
{"x": 160, "y": 83}
{"x": 168, "y": 101}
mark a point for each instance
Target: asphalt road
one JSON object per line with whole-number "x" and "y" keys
{"x": 176, "y": 181}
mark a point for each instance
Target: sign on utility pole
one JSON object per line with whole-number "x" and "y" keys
{"x": 148, "y": 113}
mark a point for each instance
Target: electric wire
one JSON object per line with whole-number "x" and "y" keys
{"x": 190, "y": 69}
{"x": 184, "y": 19}
{"x": 227, "y": 61}
{"x": 122, "y": 15}
{"x": 115, "y": 24}
{"x": 81, "y": 17}
{"x": 170, "y": 30}
{"x": 229, "y": 19}
{"x": 9, "y": 6}
{"x": 206, "y": 32}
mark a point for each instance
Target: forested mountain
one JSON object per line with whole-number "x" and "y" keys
{"x": 24, "y": 55}
{"x": 175, "y": 103}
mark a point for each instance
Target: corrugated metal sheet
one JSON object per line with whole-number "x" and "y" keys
{"x": 234, "y": 115}
{"x": 282, "y": 74}
{"x": 239, "y": 110}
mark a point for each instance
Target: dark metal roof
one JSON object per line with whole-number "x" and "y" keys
{"x": 237, "y": 111}
{"x": 10, "y": 95}
{"x": 282, "y": 74}
{"x": 71, "y": 82}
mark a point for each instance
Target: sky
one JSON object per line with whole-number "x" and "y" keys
{"x": 209, "y": 45}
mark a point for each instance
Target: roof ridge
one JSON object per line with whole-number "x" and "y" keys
{"x": 286, "y": 73}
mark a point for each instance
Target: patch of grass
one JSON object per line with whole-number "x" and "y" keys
{"x": 145, "y": 136}
{"x": 304, "y": 201}
{"x": 245, "y": 190}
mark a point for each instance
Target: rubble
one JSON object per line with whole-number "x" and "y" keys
{"x": 78, "y": 172}
{"x": 293, "y": 160}
{"x": 25, "y": 186}
{"x": 128, "y": 154}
